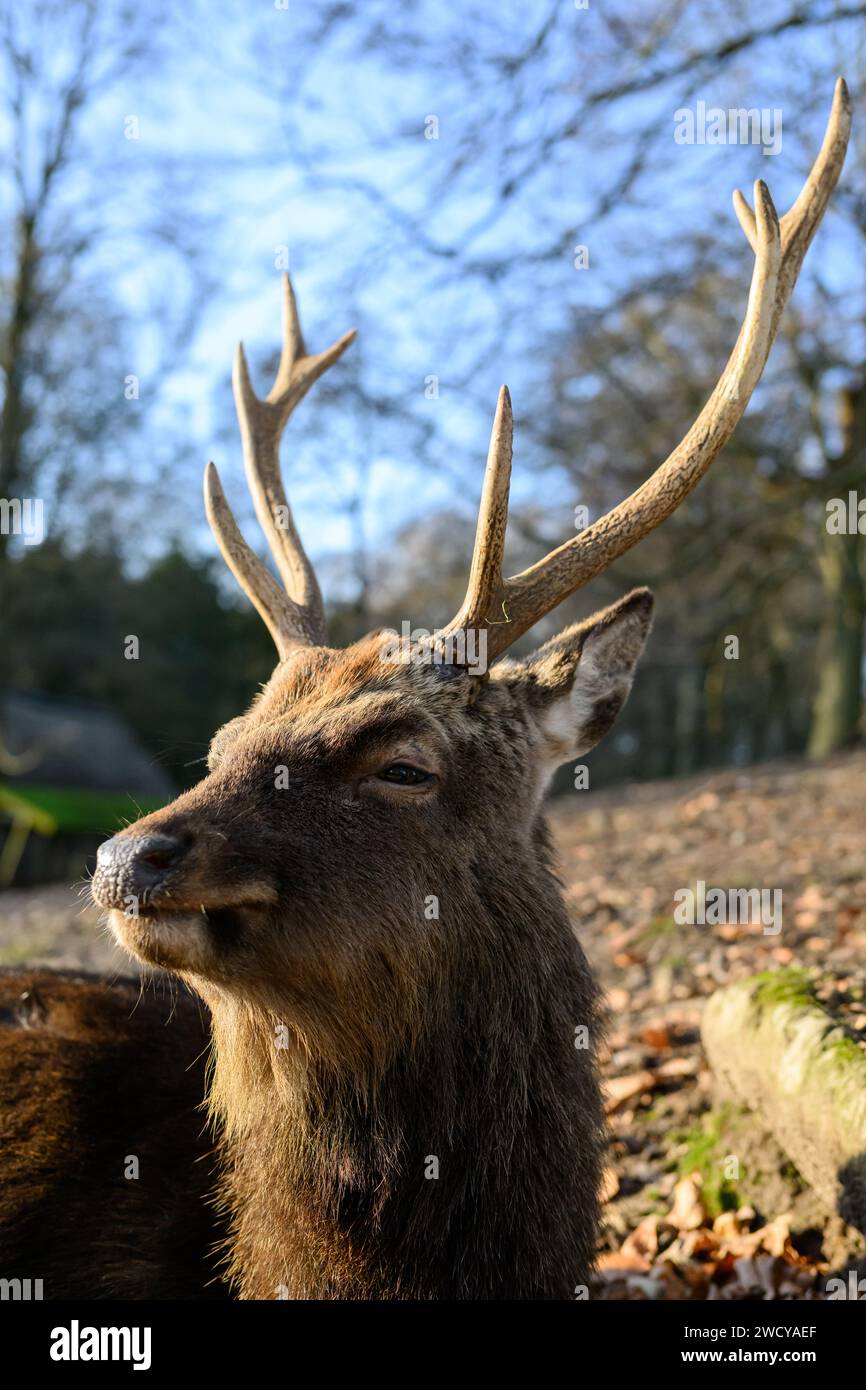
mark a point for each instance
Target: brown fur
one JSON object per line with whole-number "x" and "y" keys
{"x": 89, "y": 1075}
{"x": 358, "y": 1037}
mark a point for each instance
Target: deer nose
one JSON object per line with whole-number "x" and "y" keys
{"x": 133, "y": 866}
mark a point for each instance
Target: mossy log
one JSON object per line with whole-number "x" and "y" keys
{"x": 773, "y": 1047}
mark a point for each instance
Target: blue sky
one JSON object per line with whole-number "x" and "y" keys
{"x": 241, "y": 104}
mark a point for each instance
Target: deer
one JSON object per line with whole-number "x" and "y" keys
{"x": 403, "y": 1086}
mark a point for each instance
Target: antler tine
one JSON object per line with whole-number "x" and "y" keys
{"x": 285, "y": 621}
{"x": 516, "y": 604}
{"x": 800, "y": 222}
{"x": 293, "y": 346}
{"x": 261, "y": 424}
{"x": 485, "y": 576}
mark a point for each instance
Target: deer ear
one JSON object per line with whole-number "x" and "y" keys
{"x": 578, "y": 682}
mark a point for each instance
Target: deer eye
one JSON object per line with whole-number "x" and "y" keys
{"x": 404, "y": 775}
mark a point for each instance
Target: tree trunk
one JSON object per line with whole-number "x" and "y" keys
{"x": 837, "y": 705}
{"x": 14, "y": 420}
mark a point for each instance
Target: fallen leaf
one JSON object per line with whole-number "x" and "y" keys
{"x": 644, "y": 1239}
{"x": 615, "y": 1260}
{"x": 688, "y": 1212}
{"x": 657, "y": 1036}
{"x": 622, "y": 1088}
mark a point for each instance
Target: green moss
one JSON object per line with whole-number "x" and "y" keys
{"x": 705, "y": 1152}
{"x": 793, "y": 985}
{"x": 846, "y": 1051}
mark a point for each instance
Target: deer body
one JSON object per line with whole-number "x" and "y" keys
{"x": 360, "y": 890}
{"x": 106, "y": 1163}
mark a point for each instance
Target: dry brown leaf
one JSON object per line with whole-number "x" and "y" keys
{"x": 623, "y": 959}
{"x": 813, "y": 899}
{"x": 615, "y": 1261}
{"x": 657, "y": 1036}
{"x": 688, "y": 1212}
{"x": 644, "y": 1239}
{"x": 622, "y": 1088}
{"x": 727, "y": 1225}
{"x": 678, "y": 1066}
{"x": 776, "y": 1237}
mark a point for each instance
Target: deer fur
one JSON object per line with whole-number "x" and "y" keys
{"x": 360, "y": 1041}
{"x": 93, "y": 1076}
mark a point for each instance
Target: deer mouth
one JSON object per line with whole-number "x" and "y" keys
{"x": 166, "y": 904}
{"x": 174, "y": 939}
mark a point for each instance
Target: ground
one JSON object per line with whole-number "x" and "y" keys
{"x": 676, "y": 1225}
{"x": 680, "y": 1222}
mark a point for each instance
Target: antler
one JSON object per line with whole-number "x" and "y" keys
{"x": 507, "y": 608}
{"x": 295, "y": 617}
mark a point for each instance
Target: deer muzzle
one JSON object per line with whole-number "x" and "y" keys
{"x": 133, "y": 868}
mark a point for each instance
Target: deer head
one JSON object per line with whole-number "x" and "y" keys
{"x": 393, "y": 769}
{"x": 366, "y": 857}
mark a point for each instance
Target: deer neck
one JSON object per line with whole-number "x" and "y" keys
{"x": 466, "y": 1169}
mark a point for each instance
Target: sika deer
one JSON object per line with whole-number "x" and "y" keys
{"x": 361, "y": 888}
